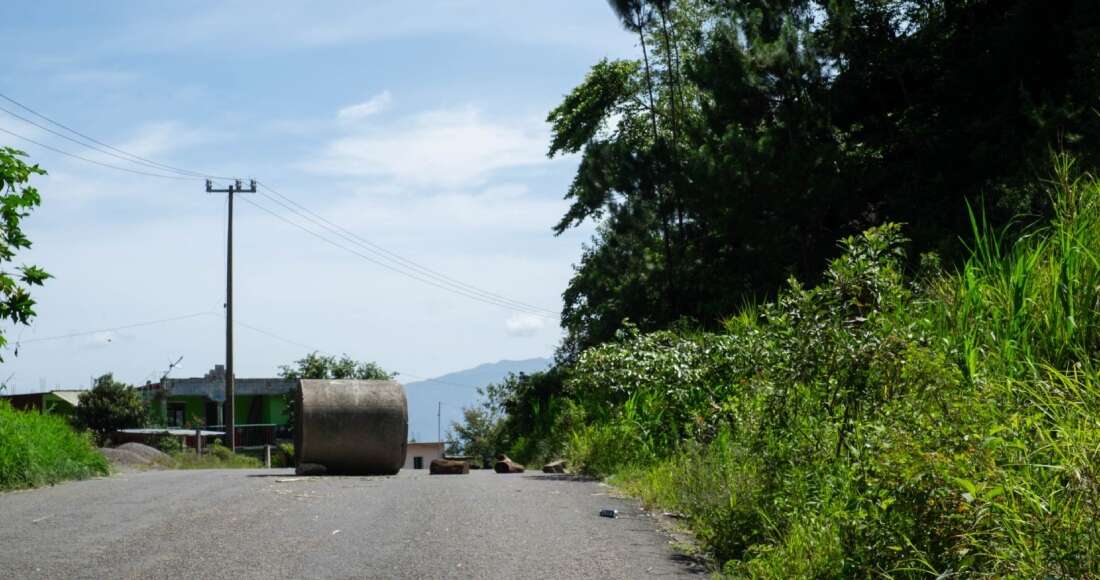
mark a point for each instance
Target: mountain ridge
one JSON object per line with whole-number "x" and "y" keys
{"x": 456, "y": 390}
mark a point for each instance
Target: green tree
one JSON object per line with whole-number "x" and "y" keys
{"x": 110, "y": 405}
{"x": 751, "y": 135}
{"x": 17, "y": 199}
{"x": 320, "y": 366}
{"x": 478, "y": 434}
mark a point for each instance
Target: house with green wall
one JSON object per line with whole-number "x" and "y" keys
{"x": 260, "y": 404}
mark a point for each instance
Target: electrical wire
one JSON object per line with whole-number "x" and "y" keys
{"x": 396, "y": 263}
{"x": 377, "y": 262}
{"x": 389, "y": 255}
{"x": 115, "y": 328}
{"x": 132, "y": 157}
{"x": 93, "y": 161}
{"x": 311, "y": 348}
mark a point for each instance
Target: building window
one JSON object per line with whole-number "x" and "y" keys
{"x": 176, "y": 412}
{"x": 418, "y": 463}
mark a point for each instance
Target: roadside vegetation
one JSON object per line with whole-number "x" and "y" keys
{"x": 108, "y": 406}
{"x": 921, "y": 400}
{"x": 215, "y": 457}
{"x": 888, "y": 421}
{"x": 37, "y": 449}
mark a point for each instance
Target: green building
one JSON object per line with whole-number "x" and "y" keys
{"x": 260, "y": 405}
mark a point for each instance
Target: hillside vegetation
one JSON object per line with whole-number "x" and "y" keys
{"x": 37, "y": 449}
{"x": 886, "y": 421}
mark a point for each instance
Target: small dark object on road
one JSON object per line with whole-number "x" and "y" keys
{"x": 554, "y": 467}
{"x": 606, "y": 513}
{"x": 310, "y": 469}
{"x": 448, "y": 467}
{"x": 506, "y": 465}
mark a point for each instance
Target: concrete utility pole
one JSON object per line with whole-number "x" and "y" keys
{"x": 229, "y": 417}
{"x": 439, "y": 422}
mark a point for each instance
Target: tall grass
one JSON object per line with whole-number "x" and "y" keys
{"x": 879, "y": 425}
{"x": 37, "y": 449}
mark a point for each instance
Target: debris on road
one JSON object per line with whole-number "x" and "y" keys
{"x": 554, "y": 467}
{"x": 448, "y": 467}
{"x": 506, "y": 465}
{"x": 609, "y": 513}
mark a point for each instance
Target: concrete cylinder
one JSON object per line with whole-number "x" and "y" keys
{"x": 351, "y": 427}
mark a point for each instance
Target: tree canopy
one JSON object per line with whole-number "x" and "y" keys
{"x": 110, "y": 405}
{"x": 752, "y": 135}
{"x": 320, "y": 366}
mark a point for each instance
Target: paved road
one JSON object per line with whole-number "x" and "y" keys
{"x": 271, "y": 524}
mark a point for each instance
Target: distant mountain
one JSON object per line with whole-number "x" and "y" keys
{"x": 457, "y": 390}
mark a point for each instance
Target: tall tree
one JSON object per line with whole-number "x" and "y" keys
{"x": 780, "y": 127}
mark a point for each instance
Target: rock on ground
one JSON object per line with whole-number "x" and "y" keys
{"x": 554, "y": 467}
{"x": 506, "y": 465}
{"x": 448, "y": 467}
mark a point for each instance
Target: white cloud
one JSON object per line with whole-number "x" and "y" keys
{"x": 448, "y": 148}
{"x": 371, "y": 106}
{"x": 523, "y": 325}
{"x": 155, "y": 139}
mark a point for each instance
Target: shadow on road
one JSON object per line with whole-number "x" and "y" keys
{"x": 561, "y": 477}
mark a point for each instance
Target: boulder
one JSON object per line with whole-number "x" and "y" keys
{"x": 448, "y": 467}
{"x": 506, "y": 465}
{"x": 554, "y": 467}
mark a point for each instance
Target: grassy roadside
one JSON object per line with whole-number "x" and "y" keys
{"x": 891, "y": 421}
{"x": 216, "y": 457}
{"x": 38, "y": 449}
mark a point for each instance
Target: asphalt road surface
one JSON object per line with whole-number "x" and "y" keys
{"x": 272, "y": 524}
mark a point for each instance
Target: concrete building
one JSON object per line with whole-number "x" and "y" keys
{"x": 261, "y": 413}
{"x": 420, "y": 455}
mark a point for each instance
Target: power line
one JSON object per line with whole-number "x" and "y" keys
{"x": 93, "y": 161}
{"x": 312, "y": 348}
{"x": 82, "y": 144}
{"x": 131, "y": 157}
{"x": 382, "y": 256}
{"x": 414, "y": 276}
{"x": 390, "y": 255}
{"x": 116, "y": 328}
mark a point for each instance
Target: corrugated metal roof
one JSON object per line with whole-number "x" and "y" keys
{"x": 70, "y": 397}
{"x": 173, "y": 432}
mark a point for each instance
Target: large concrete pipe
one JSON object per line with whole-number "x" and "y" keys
{"x": 351, "y": 427}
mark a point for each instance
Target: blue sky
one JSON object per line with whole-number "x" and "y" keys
{"x": 419, "y": 129}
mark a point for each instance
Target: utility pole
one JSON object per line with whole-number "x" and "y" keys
{"x": 228, "y": 413}
{"x": 439, "y": 422}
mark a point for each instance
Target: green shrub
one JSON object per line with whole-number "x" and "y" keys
{"x": 283, "y": 455}
{"x": 109, "y": 406}
{"x": 216, "y": 456}
{"x": 38, "y": 449}
{"x": 168, "y": 444}
{"x": 877, "y": 424}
